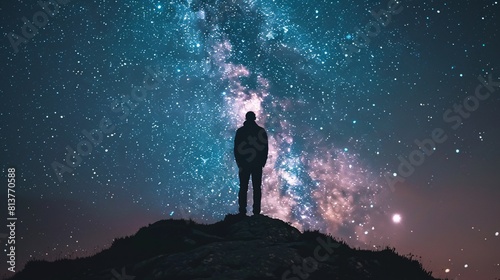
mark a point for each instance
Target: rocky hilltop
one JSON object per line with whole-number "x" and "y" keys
{"x": 251, "y": 248}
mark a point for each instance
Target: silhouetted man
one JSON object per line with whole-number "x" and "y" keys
{"x": 250, "y": 152}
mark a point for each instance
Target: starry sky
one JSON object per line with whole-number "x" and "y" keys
{"x": 380, "y": 115}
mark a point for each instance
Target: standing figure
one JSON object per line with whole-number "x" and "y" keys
{"x": 250, "y": 152}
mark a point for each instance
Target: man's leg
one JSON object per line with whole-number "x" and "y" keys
{"x": 257, "y": 190}
{"x": 242, "y": 194}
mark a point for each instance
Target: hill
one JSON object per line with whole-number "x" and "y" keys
{"x": 251, "y": 248}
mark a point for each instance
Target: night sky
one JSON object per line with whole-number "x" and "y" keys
{"x": 380, "y": 114}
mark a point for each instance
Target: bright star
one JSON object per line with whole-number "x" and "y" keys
{"x": 396, "y": 218}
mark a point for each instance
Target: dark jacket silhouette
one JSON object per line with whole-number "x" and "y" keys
{"x": 250, "y": 145}
{"x": 250, "y": 152}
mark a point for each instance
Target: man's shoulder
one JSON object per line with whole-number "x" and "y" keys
{"x": 250, "y": 129}
{"x": 241, "y": 131}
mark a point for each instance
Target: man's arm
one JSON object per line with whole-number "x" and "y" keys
{"x": 237, "y": 141}
{"x": 266, "y": 147}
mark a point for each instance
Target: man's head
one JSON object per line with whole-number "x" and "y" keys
{"x": 250, "y": 116}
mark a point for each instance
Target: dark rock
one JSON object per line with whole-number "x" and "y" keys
{"x": 239, "y": 247}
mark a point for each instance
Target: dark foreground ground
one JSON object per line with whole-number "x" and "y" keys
{"x": 251, "y": 248}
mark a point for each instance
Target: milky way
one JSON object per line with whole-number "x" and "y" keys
{"x": 316, "y": 187}
{"x": 342, "y": 91}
